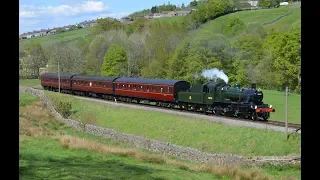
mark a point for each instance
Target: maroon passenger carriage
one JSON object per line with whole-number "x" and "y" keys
{"x": 50, "y": 81}
{"x": 163, "y": 92}
{"x": 98, "y": 86}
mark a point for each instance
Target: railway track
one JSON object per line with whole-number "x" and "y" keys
{"x": 268, "y": 122}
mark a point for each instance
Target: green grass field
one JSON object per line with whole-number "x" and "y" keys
{"x": 26, "y": 99}
{"x": 50, "y": 150}
{"x": 278, "y": 101}
{"x": 186, "y": 131}
{"x": 61, "y": 37}
{"x": 275, "y": 98}
{"x": 42, "y": 155}
{"x": 255, "y": 16}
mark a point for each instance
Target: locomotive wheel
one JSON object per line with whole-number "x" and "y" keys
{"x": 254, "y": 117}
{"x": 214, "y": 110}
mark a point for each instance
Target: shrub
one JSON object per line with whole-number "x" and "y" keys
{"x": 63, "y": 107}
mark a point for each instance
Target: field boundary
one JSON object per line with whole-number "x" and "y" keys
{"x": 273, "y": 21}
{"x": 185, "y": 153}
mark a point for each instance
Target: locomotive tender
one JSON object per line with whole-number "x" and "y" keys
{"x": 211, "y": 97}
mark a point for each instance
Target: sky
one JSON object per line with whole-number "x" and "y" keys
{"x": 44, "y": 14}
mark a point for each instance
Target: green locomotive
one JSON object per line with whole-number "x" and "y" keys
{"x": 221, "y": 98}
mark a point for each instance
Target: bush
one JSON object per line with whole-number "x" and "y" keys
{"x": 63, "y": 107}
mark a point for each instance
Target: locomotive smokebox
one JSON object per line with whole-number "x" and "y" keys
{"x": 253, "y": 86}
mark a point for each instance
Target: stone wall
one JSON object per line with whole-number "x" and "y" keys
{"x": 181, "y": 152}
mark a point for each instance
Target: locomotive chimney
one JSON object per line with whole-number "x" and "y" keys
{"x": 253, "y": 86}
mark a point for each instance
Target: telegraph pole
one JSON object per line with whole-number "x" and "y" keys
{"x": 285, "y": 69}
{"x": 287, "y": 111}
{"x": 59, "y": 76}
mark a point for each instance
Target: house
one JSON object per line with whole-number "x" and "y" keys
{"x": 284, "y": 4}
{"x": 29, "y": 35}
{"x": 156, "y": 15}
{"x": 172, "y": 13}
{"x": 183, "y": 12}
{"x": 93, "y": 23}
{"x": 253, "y": 4}
{"x": 126, "y": 20}
{"x": 35, "y": 34}
{"x": 43, "y": 33}
{"x": 149, "y": 16}
{"x": 246, "y": 5}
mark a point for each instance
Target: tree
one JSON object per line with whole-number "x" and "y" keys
{"x": 68, "y": 55}
{"x": 140, "y": 24}
{"x": 106, "y": 24}
{"x": 182, "y": 6}
{"x": 235, "y": 26}
{"x": 115, "y": 62}
{"x": 136, "y": 53}
{"x": 96, "y": 51}
{"x": 36, "y": 57}
{"x": 268, "y": 3}
{"x": 285, "y": 51}
{"x": 193, "y": 3}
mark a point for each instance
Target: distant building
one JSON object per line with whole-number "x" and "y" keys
{"x": 183, "y": 12}
{"x": 284, "y": 4}
{"x": 126, "y": 20}
{"x": 156, "y": 15}
{"x": 149, "y": 16}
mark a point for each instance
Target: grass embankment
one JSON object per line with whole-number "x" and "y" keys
{"x": 49, "y": 149}
{"x": 181, "y": 130}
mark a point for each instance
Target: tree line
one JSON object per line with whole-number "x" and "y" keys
{"x": 159, "y": 49}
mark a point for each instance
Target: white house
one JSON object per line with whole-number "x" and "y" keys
{"x": 253, "y": 3}
{"x": 284, "y": 4}
{"x": 156, "y": 15}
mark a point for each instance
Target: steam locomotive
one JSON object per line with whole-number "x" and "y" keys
{"x": 211, "y": 97}
{"x": 221, "y": 98}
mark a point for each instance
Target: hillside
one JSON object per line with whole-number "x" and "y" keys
{"x": 262, "y": 16}
{"x": 61, "y": 37}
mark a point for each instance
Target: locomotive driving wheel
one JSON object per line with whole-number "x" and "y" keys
{"x": 254, "y": 116}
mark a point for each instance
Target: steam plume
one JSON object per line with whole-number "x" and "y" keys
{"x": 215, "y": 73}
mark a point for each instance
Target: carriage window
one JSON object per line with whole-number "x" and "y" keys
{"x": 129, "y": 86}
{"x": 123, "y": 86}
{"x": 170, "y": 90}
{"x": 161, "y": 89}
{"x": 141, "y": 88}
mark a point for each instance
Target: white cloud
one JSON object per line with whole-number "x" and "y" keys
{"x": 63, "y": 10}
{"x": 93, "y": 6}
{"x": 27, "y": 14}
